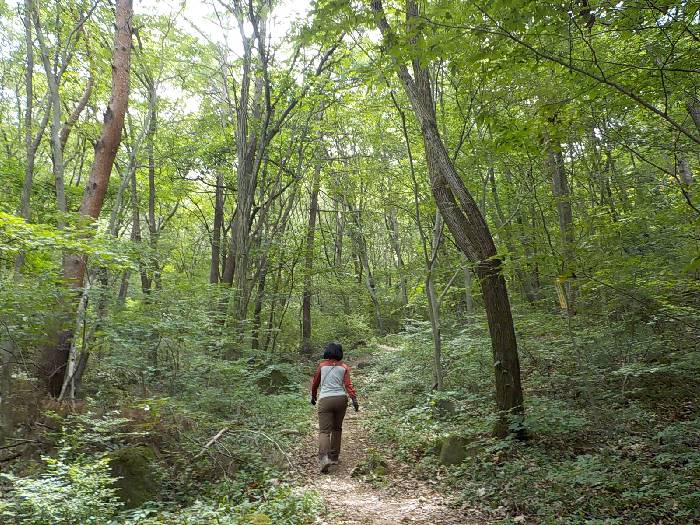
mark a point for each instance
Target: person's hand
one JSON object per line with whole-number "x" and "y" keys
{"x": 313, "y": 400}
{"x": 355, "y": 404}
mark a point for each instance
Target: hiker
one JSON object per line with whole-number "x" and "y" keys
{"x": 331, "y": 387}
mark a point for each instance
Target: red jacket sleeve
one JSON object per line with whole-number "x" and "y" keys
{"x": 316, "y": 382}
{"x": 348, "y": 384}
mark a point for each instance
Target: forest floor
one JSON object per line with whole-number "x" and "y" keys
{"x": 354, "y": 496}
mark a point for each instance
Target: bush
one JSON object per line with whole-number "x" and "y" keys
{"x": 68, "y": 492}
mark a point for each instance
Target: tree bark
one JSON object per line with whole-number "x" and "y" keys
{"x": 6, "y": 356}
{"x": 433, "y": 301}
{"x": 392, "y": 225}
{"x": 685, "y": 172}
{"x": 562, "y": 196}
{"x": 214, "y": 276}
{"x": 694, "y": 111}
{"x": 306, "y": 347}
{"x": 52, "y": 81}
{"x": 28, "y": 136}
{"x": 467, "y": 225}
{"x": 153, "y": 227}
{"x": 75, "y": 115}
{"x": 53, "y": 365}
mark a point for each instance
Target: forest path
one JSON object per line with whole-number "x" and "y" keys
{"x": 397, "y": 499}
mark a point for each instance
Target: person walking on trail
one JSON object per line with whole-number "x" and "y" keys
{"x": 331, "y": 388}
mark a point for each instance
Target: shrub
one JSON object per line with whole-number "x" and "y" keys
{"x": 68, "y": 492}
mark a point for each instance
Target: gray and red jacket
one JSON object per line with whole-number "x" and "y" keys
{"x": 332, "y": 378}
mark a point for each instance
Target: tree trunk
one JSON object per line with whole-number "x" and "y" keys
{"x": 259, "y": 298}
{"x": 468, "y": 299}
{"x": 53, "y": 363}
{"x": 136, "y": 234}
{"x": 505, "y": 228}
{"x": 434, "y": 315}
{"x": 338, "y": 256}
{"x": 309, "y": 259}
{"x": 28, "y": 136}
{"x": 562, "y": 196}
{"x": 75, "y": 115}
{"x": 392, "y": 225}
{"x": 360, "y": 245}
{"x": 468, "y": 227}
{"x": 153, "y": 227}
{"x": 6, "y": 356}
{"x": 52, "y": 81}
{"x": 433, "y": 301}
{"x": 216, "y": 230}
{"x": 694, "y": 111}
{"x": 108, "y": 143}
{"x": 685, "y": 172}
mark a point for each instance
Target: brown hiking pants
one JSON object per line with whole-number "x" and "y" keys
{"x": 331, "y": 412}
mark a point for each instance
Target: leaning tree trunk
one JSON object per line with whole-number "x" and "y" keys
{"x": 467, "y": 225}
{"x": 54, "y": 362}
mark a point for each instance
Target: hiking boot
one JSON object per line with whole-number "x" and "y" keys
{"x": 324, "y": 463}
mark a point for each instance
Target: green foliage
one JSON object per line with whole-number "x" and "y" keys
{"x": 611, "y": 440}
{"x": 278, "y": 505}
{"x": 611, "y": 392}
{"x": 67, "y": 492}
{"x": 373, "y": 468}
{"x": 351, "y": 330}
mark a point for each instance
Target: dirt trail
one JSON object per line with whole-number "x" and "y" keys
{"x": 352, "y": 500}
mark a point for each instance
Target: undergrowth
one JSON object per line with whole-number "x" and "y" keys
{"x": 612, "y": 419}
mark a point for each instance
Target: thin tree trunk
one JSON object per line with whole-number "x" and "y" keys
{"x": 216, "y": 232}
{"x": 468, "y": 298}
{"x": 259, "y": 298}
{"x": 360, "y": 245}
{"x": 338, "y": 257}
{"x": 508, "y": 239}
{"x": 136, "y": 237}
{"x": 434, "y": 315}
{"x": 562, "y": 196}
{"x": 6, "y": 423}
{"x": 685, "y": 172}
{"x": 433, "y": 302}
{"x": 392, "y": 225}
{"x": 309, "y": 257}
{"x": 52, "y": 80}
{"x": 28, "y": 136}
{"x": 75, "y": 115}
{"x": 694, "y": 112}
{"x": 153, "y": 229}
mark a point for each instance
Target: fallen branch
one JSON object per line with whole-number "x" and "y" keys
{"x": 212, "y": 441}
